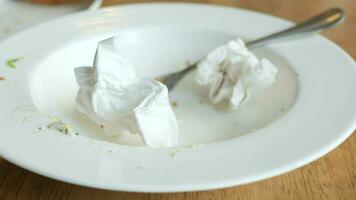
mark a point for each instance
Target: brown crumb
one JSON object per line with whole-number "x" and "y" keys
{"x": 2, "y": 78}
{"x": 187, "y": 63}
{"x": 7, "y": 30}
{"x": 102, "y": 126}
{"x": 174, "y": 103}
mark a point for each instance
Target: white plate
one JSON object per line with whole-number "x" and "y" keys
{"x": 307, "y": 113}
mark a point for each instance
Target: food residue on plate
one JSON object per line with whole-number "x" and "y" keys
{"x": 188, "y": 63}
{"x": 7, "y": 29}
{"x": 174, "y": 103}
{"x": 61, "y": 127}
{"x": 139, "y": 168}
{"x": 195, "y": 146}
{"x": 174, "y": 153}
{"x": 2, "y": 78}
{"x": 12, "y": 62}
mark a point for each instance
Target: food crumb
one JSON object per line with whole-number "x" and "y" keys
{"x": 61, "y": 127}
{"x": 7, "y": 30}
{"x": 139, "y": 168}
{"x": 174, "y": 103}
{"x": 109, "y": 151}
{"x": 282, "y": 109}
{"x": 101, "y": 126}
{"x": 174, "y": 153}
{"x": 2, "y": 78}
{"x": 11, "y": 63}
{"x": 24, "y": 119}
{"x": 201, "y": 101}
{"x": 195, "y": 146}
{"x": 40, "y": 129}
{"x": 76, "y": 133}
{"x": 188, "y": 63}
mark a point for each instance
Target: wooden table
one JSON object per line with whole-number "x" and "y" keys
{"x": 331, "y": 177}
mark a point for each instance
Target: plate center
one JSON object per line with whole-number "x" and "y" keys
{"x": 155, "y": 51}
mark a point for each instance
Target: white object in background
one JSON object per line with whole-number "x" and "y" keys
{"x": 112, "y": 96}
{"x": 234, "y": 74}
{"x": 16, "y": 15}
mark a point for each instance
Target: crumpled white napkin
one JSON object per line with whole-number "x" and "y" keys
{"x": 119, "y": 102}
{"x": 234, "y": 74}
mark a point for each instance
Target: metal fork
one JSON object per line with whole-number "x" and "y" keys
{"x": 324, "y": 20}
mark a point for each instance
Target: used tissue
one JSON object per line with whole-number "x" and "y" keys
{"x": 112, "y": 96}
{"x": 234, "y": 74}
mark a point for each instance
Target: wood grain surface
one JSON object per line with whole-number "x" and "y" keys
{"x": 331, "y": 177}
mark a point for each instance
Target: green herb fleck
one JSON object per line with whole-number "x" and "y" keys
{"x": 12, "y": 62}
{"x": 139, "y": 167}
{"x": 174, "y": 153}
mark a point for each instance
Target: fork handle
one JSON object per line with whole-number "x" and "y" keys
{"x": 324, "y": 20}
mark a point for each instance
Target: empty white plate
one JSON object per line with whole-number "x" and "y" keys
{"x": 305, "y": 114}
